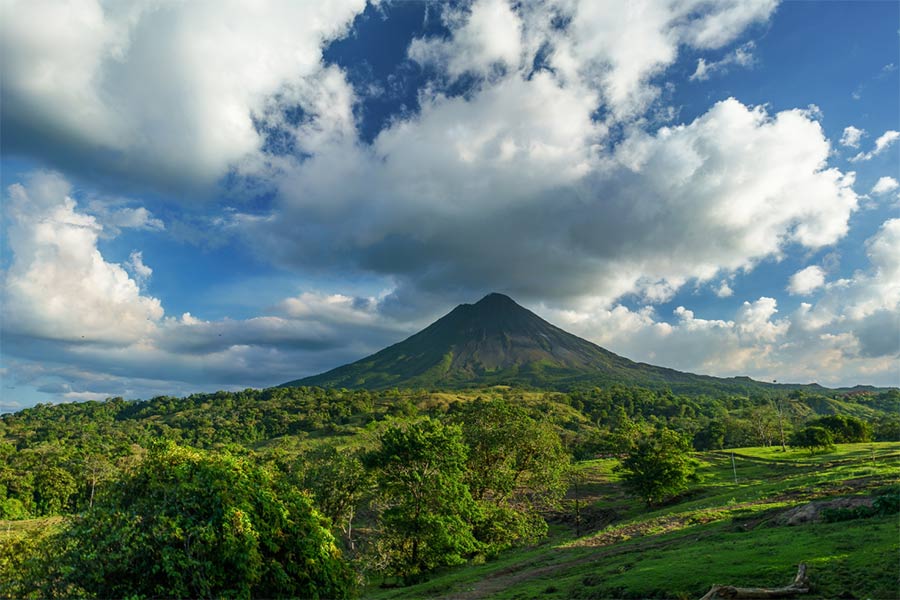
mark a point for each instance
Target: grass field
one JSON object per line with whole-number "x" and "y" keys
{"x": 719, "y": 532}
{"x": 11, "y": 529}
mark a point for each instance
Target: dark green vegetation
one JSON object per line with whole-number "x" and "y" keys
{"x": 440, "y": 492}
{"x": 497, "y": 342}
{"x": 192, "y": 524}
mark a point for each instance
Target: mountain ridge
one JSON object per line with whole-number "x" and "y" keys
{"x": 496, "y": 341}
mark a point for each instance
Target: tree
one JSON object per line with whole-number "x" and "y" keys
{"x": 516, "y": 468}
{"x": 53, "y": 488}
{"x": 190, "y": 524}
{"x": 427, "y": 505}
{"x": 338, "y": 481}
{"x": 845, "y": 429}
{"x": 765, "y": 421}
{"x": 658, "y": 466}
{"x": 813, "y": 438}
{"x": 711, "y": 436}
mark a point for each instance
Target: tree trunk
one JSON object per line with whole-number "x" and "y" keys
{"x": 800, "y": 585}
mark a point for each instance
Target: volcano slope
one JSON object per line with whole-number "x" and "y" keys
{"x": 498, "y": 342}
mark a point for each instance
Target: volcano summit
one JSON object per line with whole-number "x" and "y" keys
{"x": 498, "y": 342}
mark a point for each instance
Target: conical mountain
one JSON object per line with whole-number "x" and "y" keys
{"x": 497, "y": 342}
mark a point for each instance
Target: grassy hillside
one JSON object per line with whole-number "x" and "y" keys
{"x": 719, "y": 532}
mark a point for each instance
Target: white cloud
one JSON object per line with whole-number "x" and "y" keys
{"x": 482, "y": 192}
{"x": 620, "y": 50}
{"x": 136, "y": 265}
{"x": 806, "y": 281}
{"x": 136, "y": 218}
{"x": 488, "y": 34}
{"x": 614, "y": 53}
{"x": 67, "y": 309}
{"x": 885, "y": 185}
{"x": 850, "y": 335}
{"x": 852, "y": 136}
{"x": 163, "y": 92}
{"x": 741, "y": 57}
{"x": 58, "y": 286}
{"x": 724, "y": 290}
{"x": 885, "y": 141}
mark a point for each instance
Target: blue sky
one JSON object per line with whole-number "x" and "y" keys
{"x": 203, "y": 196}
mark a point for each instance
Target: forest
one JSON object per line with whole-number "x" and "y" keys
{"x": 321, "y": 493}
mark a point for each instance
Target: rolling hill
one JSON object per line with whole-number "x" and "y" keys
{"x": 498, "y": 342}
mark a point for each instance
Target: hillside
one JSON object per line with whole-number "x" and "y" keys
{"x": 62, "y": 460}
{"x": 498, "y": 342}
{"x": 750, "y": 533}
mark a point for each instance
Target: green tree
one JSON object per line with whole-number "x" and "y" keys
{"x": 338, "y": 481}
{"x": 427, "y": 507}
{"x": 658, "y": 466}
{"x": 845, "y": 429}
{"x": 53, "y": 488}
{"x": 813, "y": 438}
{"x": 516, "y": 469}
{"x": 190, "y": 524}
{"x": 711, "y": 436}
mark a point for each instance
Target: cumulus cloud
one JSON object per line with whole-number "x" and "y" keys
{"x": 164, "y": 93}
{"x": 851, "y": 136}
{"x": 885, "y": 185}
{"x": 884, "y": 141}
{"x": 850, "y": 335}
{"x": 485, "y": 36}
{"x": 615, "y": 53}
{"x": 741, "y": 57}
{"x": 136, "y": 265}
{"x": 440, "y": 199}
{"x": 455, "y": 188}
{"x": 807, "y": 280}
{"x": 621, "y": 50}
{"x": 549, "y": 163}
{"x": 69, "y": 309}
{"x": 58, "y": 286}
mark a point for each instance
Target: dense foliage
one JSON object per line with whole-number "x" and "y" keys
{"x": 191, "y": 524}
{"x": 515, "y": 471}
{"x": 427, "y": 507}
{"x": 405, "y": 480}
{"x": 54, "y": 457}
{"x": 813, "y": 438}
{"x": 844, "y": 429}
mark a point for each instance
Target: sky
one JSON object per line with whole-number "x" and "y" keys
{"x": 220, "y": 194}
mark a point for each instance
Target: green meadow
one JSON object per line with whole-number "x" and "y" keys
{"x": 717, "y": 532}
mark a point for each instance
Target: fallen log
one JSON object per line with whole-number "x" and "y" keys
{"x": 800, "y": 585}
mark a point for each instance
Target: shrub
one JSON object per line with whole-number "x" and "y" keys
{"x": 193, "y": 524}
{"x": 658, "y": 466}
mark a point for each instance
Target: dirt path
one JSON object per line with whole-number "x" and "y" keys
{"x": 525, "y": 571}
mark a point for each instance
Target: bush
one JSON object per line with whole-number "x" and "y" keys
{"x": 12, "y": 509}
{"x": 887, "y": 502}
{"x": 192, "y": 524}
{"x": 658, "y": 466}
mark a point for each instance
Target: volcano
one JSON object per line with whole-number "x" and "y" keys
{"x": 498, "y": 342}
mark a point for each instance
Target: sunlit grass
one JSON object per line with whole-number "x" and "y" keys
{"x": 719, "y": 532}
